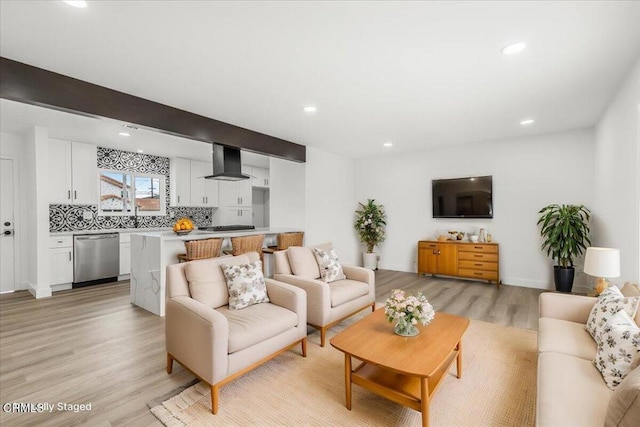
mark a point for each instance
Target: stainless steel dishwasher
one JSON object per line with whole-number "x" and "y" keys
{"x": 96, "y": 258}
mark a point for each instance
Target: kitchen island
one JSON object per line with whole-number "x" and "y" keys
{"x": 152, "y": 251}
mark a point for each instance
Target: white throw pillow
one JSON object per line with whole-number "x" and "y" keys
{"x": 246, "y": 284}
{"x": 618, "y": 349}
{"x": 609, "y": 303}
{"x": 329, "y": 263}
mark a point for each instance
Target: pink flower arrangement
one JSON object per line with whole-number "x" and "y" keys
{"x": 408, "y": 309}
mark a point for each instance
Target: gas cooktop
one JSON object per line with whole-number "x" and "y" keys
{"x": 227, "y": 228}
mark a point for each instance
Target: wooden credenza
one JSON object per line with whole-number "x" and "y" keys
{"x": 460, "y": 259}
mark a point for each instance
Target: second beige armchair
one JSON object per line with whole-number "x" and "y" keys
{"x": 327, "y": 303}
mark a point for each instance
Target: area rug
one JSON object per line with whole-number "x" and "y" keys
{"x": 498, "y": 388}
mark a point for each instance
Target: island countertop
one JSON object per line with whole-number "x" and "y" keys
{"x": 152, "y": 251}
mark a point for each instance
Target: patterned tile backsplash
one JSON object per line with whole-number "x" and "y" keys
{"x": 72, "y": 217}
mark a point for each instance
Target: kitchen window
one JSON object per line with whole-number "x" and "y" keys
{"x": 127, "y": 193}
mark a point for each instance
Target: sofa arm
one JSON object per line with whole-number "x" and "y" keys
{"x": 574, "y": 308}
{"x": 289, "y": 297}
{"x": 198, "y": 337}
{"x": 318, "y": 297}
{"x": 360, "y": 274}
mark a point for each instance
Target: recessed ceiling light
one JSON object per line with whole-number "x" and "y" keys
{"x": 388, "y": 144}
{"x": 309, "y": 109}
{"x": 140, "y": 151}
{"x": 526, "y": 122}
{"x": 76, "y": 3}
{"x": 124, "y": 134}
{"x": 513, "y": 48}
{"x": 130, "y": 127}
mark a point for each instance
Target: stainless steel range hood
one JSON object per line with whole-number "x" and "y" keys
{"x": 227, "y": 165}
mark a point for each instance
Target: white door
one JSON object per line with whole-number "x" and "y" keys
{"x": 7, "y": 240}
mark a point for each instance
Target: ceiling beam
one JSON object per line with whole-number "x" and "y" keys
{"x": 26, "y": 83}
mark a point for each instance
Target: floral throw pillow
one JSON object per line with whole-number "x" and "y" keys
{"x": 618, "y": 349}
{"x": 246, "y": 284}
{"x": 609, "y": 303}
{"x": 330, "y": 268}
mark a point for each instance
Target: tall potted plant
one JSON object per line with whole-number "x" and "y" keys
{"x": 369, "y": 223}
{"x": 565, "y": 233}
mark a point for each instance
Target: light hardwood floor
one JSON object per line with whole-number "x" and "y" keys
{"x": 91, "y": 345}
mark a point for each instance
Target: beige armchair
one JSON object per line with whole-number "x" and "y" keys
{"x": 218, "y": 344}
{"x": 327, "y": 303}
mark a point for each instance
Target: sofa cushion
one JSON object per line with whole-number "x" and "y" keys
{"x": 207, "y": 283}
{"x": 565, "y": 337}
{"x": 624, "y": 406}
{"x": 632, "y": 290}
{"x": 329, "y": 264}
{"x": 609, "y": 303}
{"x": 256, "y": 323}
{"x": 618, "y": 349}
{"x": 303, "y": 262}
{"x": 570, "y": 392}
{"x": 343, "y": 291}
{"x": 246, "y": 284}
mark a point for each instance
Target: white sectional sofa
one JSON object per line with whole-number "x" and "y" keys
{"x": 571, "y": 391}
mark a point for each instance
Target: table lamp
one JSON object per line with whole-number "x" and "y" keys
{"x": 602, "y": 263}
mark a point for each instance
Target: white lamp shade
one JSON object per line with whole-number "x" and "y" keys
{"x": 602, "y": 262}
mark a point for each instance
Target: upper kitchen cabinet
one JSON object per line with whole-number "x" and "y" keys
{"x": 72, "y": 173}
{"x": 204, "y": 192}
{"x": 236, "y": 193}
{"x": 259, "y": 177}
{"x": 188, "y": 186}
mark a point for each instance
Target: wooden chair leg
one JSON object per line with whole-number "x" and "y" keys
{"x": 304, "y": 347}
{"x": 215, "y": 391}
{"x": 323, "y": 336}
{"x": 373, "y": 307}
{"x": 169, "y": 363}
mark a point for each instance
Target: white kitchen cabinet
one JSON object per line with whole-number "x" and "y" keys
{"x": 259, "y": 177}
{"x": 237, "y": 216}
{"x": 236, "y": 193}
{"x": 72, "y": 173}
{"x": 188, "y": 186}
{"x": 60, "y": 260}
{"x": 125, "y": 254}
{"x": 204, "y": 192}
{"x": 180, "y": 182}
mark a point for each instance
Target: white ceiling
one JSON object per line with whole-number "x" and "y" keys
{"x": 420, "y": 74}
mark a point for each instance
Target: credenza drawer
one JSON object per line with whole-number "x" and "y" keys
{"x": 478, "y": 265}
{"x": 475, "y": 247}
{"x": 477, "y": 256}
{"x": 427, "y": 245}
{"x": 478, "y": 274}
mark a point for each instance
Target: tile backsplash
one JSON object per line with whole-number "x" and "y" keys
{"x": 85, "y": 217}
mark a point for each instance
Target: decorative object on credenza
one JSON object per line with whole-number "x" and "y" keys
{"x": 565, "y": 233}
{"x": 369, "y": 223}
{"x": 183, "y": 226}
{"x": 602, "y": 263}
{"x": 489, "y": 238}
{"x": 473, "y": 238}
{"x": 407, "y": 311}
{"x": 482, "y": 237}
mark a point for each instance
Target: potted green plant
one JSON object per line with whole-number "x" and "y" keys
{"x": 565, "y": 233}
{"x": 369, "y": 223}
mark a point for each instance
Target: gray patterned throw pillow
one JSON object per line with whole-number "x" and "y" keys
{"x": 330, "y": 268}
{"x": 246, "y": 284}
{"x": 609, "y": 303}
{"x": 618, "y": 349}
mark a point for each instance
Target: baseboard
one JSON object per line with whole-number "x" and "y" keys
{"x": 527, "y": 283}
{"x": 38, "y": 292}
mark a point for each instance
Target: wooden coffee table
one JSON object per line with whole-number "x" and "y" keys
{"x": 405, "y": 370}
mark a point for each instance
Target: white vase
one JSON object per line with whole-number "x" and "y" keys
{"x": 370, "y": 260}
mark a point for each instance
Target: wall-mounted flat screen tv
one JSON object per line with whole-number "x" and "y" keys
{"x": 470, "y": 197}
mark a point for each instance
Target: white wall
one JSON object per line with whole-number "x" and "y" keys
{"x": 286, "y": 193}
{"x": 528, "y": 174}
{"x": 12, "y": 147}
{"x": 331, "y": 203}
{"x": 617, "y": 189}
